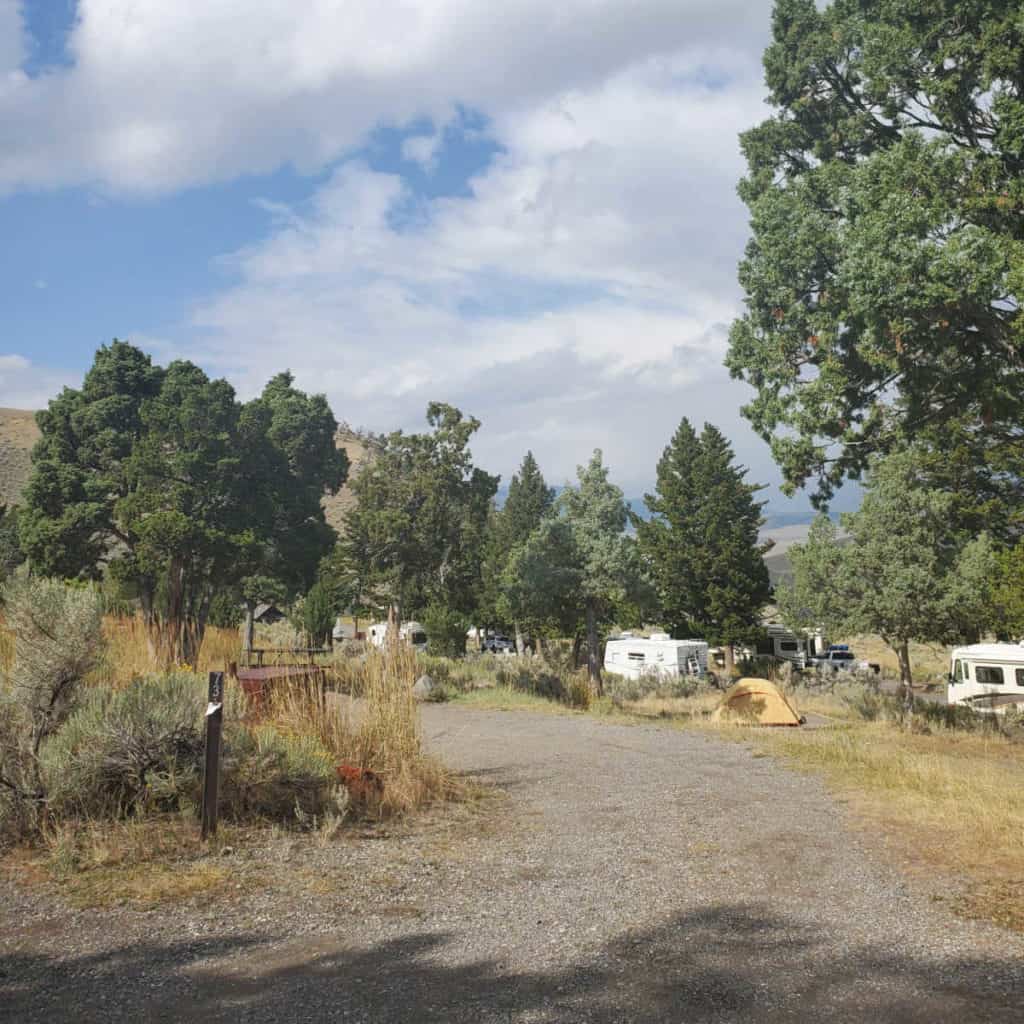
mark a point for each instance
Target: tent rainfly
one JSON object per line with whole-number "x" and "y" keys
{"x": 755, "y": 702}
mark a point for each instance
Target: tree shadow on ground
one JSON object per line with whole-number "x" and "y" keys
{"x": 731, "y": 962}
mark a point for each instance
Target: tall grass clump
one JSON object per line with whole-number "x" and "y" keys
{"x": 129, "y": 654}
{"x": 378, "y": 732}
{"x": 57, "y": 641}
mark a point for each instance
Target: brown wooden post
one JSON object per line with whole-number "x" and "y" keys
{"x": 211, "y": 773}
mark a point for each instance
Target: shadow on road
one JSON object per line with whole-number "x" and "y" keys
{"x": 728, "y": 963}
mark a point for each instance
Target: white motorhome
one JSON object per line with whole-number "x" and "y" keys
{"x": 656, "y": 655}
{"x": 411, "y": 633}
{"x": 782, "y": 643}
{"x": 987, "y": 677}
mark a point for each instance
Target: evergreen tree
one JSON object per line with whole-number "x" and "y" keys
{"x": 885, "y": 273}
{"x": 415, "y": 536}
{"x": 607, "y": 561}
{"x": 905, "y": 572}
{"x": 701, "y": 542}
{"x": 161, "y": 478}
{"x": 528, "y": 502}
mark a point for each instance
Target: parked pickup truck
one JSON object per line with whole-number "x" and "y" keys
{"x": 838, "y": 658}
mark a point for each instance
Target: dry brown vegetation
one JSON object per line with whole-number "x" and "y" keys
{"x": 18, "y": 435}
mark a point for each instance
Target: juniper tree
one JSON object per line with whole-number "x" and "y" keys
{"x": 885, "y": 270}
{"x": 905, "y": 572}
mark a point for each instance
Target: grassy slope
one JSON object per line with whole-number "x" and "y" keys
{"x": 18, "y": 433}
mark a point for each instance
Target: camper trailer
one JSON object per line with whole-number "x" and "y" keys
{"x": 987, "y": 677}
{"x": 411, "y": 633}
{"x": 657, "y": 655}
{"x": 798, "y": 648}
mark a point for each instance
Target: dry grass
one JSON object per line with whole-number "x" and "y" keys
{"x": 379, "y": 734}
{"x": 137, "y": 863}
{"x": 928, "y": 661}
{"x": 128, "y": 655}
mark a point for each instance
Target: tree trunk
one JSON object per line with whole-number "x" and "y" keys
{"x": 520, "y": 643}
{"x": 577, "y": 646}
{"x": 593, "y": 650}
{"x": 394, "y": 625}
{"x": 730, "y": 659}
{"x": 906, "y": 682}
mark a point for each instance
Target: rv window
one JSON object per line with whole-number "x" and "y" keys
{"x": 636, "y": 656}
{"x": 958, "y": 670}
{"x": 788, "y": 645}
{"x": 990, "y": 675}
{"x": 1020, "y": 677}
{"x": 419, "y": 638}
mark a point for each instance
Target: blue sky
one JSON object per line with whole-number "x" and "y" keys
{"x": 528, "y": 211}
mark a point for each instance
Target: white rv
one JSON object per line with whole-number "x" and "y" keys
{"x": 987, "y": 677}
{"x": 657, "y": 655}
{"x": 798, "y": 648}
{"x": 411, "y": 633}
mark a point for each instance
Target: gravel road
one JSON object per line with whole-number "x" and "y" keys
{"x": 624, "y": 873}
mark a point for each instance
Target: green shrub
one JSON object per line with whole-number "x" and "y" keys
{"x": 275, "y": 775}
{"x": 57, "y": 640}
{"x": 128, "y": 751}
{"x": 621, "y": 688}
{"x": 446, "y": 631}
{"x": 141, "y": 749}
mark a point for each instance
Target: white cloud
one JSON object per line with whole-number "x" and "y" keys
{"x": 576, "y": 298}
{"x": 24, "y": 385}
{"x": 162, "y": 95}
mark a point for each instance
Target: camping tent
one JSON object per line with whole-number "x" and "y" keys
{"x": 755, "y": 702}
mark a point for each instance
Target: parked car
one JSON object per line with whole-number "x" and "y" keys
{"x": 499, "y": 644}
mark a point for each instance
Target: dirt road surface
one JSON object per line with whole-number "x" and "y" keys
{"x": 626, "y": 873}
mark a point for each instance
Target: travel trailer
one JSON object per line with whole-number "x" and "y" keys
{"x": 656, "y": 655}
{"x": 411, "y": 633}
{"x": 987, "y": 677}
{"x": 798, "y": 648}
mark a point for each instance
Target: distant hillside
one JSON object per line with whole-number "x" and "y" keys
{"x": 18, "y": 434}
{"x": 780, "y": 569}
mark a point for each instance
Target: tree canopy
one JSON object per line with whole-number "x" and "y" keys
{"x": 701, "y": 543}
{"x": 415, "y": 535}
{"x": 579, "y": 563}
{"x": 904, "y": 572}
{"x": 884, "y": 274}
{"x": 161, "y": 478}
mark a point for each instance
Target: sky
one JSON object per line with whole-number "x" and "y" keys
{"x": 525, "y": 209}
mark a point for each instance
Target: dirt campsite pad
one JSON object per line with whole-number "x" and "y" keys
{"x": 621, "y": 873}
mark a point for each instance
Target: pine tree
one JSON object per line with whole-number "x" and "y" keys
{"x": 528, "y": 503}
{"x": 701, "y": 543}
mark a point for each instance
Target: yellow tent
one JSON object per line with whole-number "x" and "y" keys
{"x": 755, "y": 702}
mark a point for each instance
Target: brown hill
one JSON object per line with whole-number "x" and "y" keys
{"x": 18, "y": 434}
